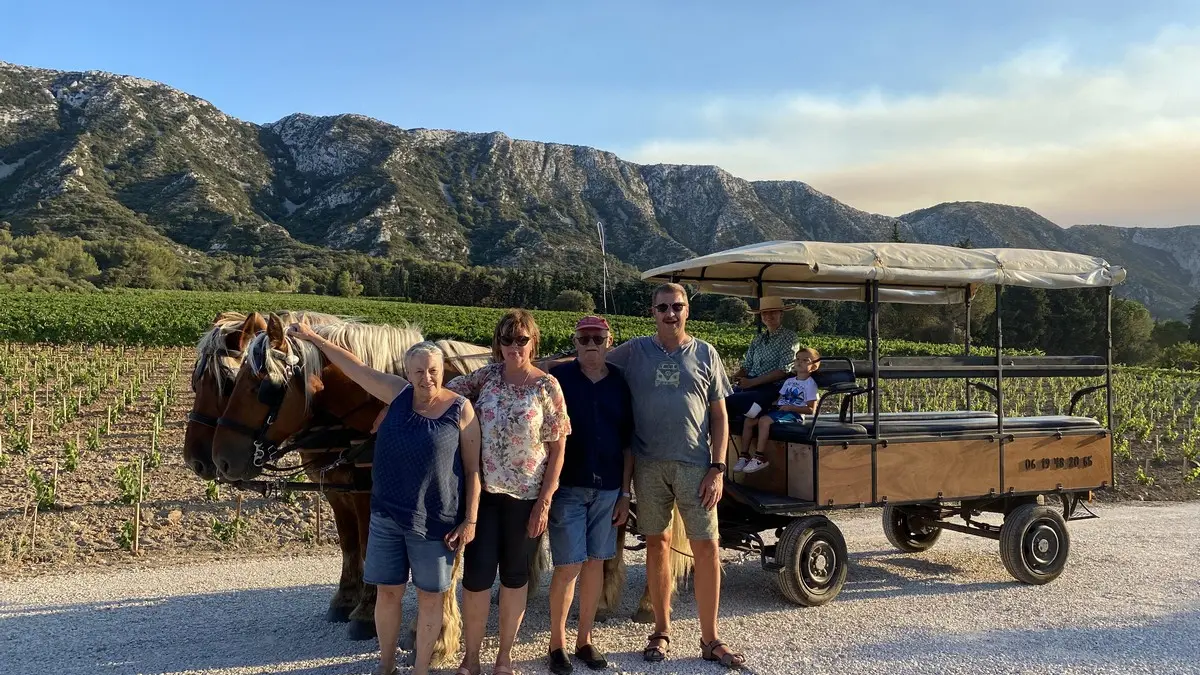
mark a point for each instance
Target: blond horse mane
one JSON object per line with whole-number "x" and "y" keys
{"x": 220, "y": 363}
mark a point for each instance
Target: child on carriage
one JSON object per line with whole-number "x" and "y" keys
{"x": 797, "y": 397}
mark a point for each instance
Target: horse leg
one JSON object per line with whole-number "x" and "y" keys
{"x": 344, "y": 599}
{"x": 362, "y": 617}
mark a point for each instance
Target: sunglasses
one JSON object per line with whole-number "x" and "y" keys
{"x": 677, "y": 306}
{"x": 508, "y": 340}
{"x": 591, "y": 339}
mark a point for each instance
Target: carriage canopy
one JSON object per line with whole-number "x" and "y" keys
{"x": 908, "y": 273}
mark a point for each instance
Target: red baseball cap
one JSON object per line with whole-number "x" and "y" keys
{"x": 592, "y": 321}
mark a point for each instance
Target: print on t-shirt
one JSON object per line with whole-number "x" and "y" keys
{"x": 667, "y": 374}
{"x": 798, "y": 392}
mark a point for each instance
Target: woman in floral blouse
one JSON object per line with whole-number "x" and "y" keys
{"x": 524, "y": 424}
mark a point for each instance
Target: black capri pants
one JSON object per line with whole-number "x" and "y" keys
{"x": 501, "y": 540}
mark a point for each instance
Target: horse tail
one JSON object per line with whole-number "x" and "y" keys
{"x": 614, "y": 577}
{"x": 446, "y": 646}
{"x": 681, "y": 548}
{"x": 539, "y": 562}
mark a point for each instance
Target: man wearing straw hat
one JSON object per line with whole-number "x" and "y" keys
{"x": 767, "y": 363}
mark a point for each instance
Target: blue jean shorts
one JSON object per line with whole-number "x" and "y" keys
{"x": 784, "y": 417}
{"x": 581, "y": 526}
{"x": 392, "y": 552}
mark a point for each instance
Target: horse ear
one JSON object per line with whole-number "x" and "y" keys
{"x": 275, "y": 330}
{"x": 253, "y": 324}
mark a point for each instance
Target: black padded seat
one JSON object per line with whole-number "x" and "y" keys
{"x": 927, "y": 415}
{"x": 943, "y": 426}
{"x": 826, "y": 429}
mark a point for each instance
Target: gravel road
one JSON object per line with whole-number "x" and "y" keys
{"x": 1129, "y": 602}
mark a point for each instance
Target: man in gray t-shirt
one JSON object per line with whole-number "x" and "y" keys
{"x": 680, "y": 429}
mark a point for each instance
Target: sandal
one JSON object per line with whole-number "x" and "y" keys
{"x": 655, "y": 653}
{"x": 728, "y": 659}
{"x": 502, "y": 670}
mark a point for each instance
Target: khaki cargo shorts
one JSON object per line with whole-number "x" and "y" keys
{"x": 659, "y": 485}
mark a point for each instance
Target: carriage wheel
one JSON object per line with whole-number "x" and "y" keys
{"x": 813, "y": 559}
{"x": 1034, "y": 543}
{"x": 908, "y": 528}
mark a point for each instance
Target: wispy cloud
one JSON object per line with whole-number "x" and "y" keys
{"x": 1117, "y": 143}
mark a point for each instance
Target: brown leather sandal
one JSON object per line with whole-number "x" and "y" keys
{"x": 655, "y": 653}
{"x": 729, "y": 659}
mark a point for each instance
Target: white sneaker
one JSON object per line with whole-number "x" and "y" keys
{"x": 755, "y": 464}
{"x": 741, "y": 464}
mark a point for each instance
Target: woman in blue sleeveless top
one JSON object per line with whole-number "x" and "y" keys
{"x": 424, "y": 494}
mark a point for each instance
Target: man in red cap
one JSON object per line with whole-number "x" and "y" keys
{"x": 592, "y": 499}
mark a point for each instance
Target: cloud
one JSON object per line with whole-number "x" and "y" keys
{"x": 1117, "y": 143}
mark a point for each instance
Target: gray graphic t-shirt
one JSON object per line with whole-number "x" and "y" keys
{"x": 671, "y": 394}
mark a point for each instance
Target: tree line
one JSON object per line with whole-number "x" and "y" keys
{"x": 1055, "y": 322}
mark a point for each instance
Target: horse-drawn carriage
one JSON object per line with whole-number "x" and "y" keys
{"x": 923, "y": 467}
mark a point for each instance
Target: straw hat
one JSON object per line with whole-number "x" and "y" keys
{"x": 772, "y": 302}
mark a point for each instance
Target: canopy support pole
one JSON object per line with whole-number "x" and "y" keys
{"x": 1000, "y": 380}
{"x": 967, "y": 340}
{"x": 1108, "y": 366}
{"x": 875, "y": 387}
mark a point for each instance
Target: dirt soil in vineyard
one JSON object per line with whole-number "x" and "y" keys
{"x": 85, "y": 527}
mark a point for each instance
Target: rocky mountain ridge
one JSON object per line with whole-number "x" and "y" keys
{"x": 102, "y": 155}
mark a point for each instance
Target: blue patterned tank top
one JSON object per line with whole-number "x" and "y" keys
{"x": 417, "y": 472}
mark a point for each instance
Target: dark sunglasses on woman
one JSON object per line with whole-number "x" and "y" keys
{"x": 677, "y": 306}
{"x": 508, "y": 340}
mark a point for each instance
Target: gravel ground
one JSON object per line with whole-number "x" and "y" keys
{"x": 1129, "y": 602}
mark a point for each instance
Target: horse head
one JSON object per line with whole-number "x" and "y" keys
{"x": 218, "y": 356}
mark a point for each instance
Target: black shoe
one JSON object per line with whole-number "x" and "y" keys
{"x": 594, "y": 658}
{"x": 559, "y": 663}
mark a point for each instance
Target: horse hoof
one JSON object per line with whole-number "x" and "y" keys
{"x": 338, "y": 615}
{"x": 602, "y": 616}
{"x": 408, "y": 641}
{"x": 643, "y": 616}
{"x": 360, "y": 630}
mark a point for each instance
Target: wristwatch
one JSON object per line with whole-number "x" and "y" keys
{"x": 720, "y": 466}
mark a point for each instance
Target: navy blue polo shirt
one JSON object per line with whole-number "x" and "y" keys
{"x": 601, "y": 427}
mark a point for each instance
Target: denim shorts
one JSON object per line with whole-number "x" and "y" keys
{"x": 781, "y": 416}
{"x": 581, "y": 526}
{"x": 393, "y": 551}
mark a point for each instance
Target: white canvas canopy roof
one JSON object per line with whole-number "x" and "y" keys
{"x": 908, "y": 273}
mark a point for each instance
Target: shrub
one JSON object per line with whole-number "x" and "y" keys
{"x": 572, "y": 300}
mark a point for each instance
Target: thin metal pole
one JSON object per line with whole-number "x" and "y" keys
{"x": 1108, "y": 366}
{"x": 1000, "y": 381}
{"x": 967, "y": 342}
{"x": 875, "y": 397}
{"x": 871, "y": 327}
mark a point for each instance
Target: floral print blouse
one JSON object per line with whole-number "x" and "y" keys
{"x": 515, "y": 421}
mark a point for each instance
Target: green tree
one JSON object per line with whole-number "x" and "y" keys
{"x": 801, "y": 319}
{"x": 1194, "y": 324}
{"x": 346, "y": 286}
{"x": 731, "y": 310}
{"x": 572, "y": 300}
{"x": 1169, "y": 332}
{"x": 1132, "y": 328}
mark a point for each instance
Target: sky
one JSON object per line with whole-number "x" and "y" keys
{"x": 1087, "y": 111}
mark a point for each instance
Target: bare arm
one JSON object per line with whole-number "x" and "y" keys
{"x": 469, "y": 441}
{"x": 383, "y": 386}
{"x": 718, "y": 429}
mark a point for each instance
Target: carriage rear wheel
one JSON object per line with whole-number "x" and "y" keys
{"x": 1034, "y": 543}
{"x": 908, "y": 528}
{"x": 813, "y": 559}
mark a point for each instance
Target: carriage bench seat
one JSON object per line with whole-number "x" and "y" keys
{"x": 949, "y": 423}
{"x": 934, "y": 426}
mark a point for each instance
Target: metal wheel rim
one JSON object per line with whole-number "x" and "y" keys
{"x": 903, "y": 522}
{"x": 819, "y": 564}
{"x": 1042, "y": 545}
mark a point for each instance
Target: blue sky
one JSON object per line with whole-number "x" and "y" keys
{"x": 854, "y": 99}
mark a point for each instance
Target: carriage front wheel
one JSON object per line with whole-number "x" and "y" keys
{"x": 1034, "y": 543}
{"x": 813, "y": 561}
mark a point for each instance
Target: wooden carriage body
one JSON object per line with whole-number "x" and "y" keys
{"x": 923, "y": 467}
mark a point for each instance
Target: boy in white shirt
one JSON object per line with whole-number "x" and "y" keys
{"x": 798, "y": 396}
